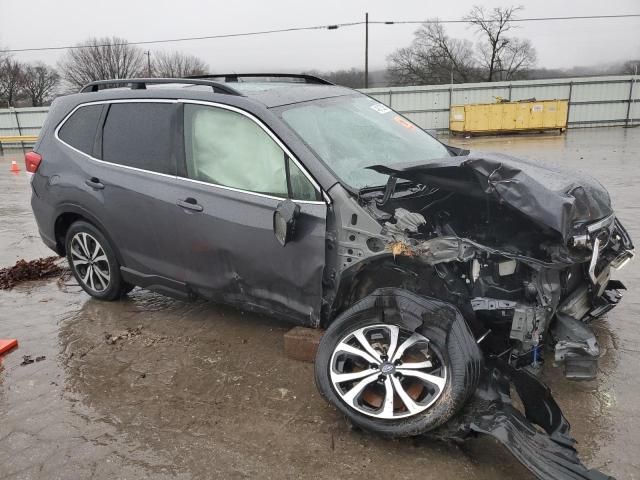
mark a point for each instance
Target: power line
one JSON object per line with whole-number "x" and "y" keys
{"x": 188, "y": 39}
{"x": 315, "y": 27}
{"x": 533, "y": 19}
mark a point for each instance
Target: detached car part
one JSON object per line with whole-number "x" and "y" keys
{"x": 548, "y": 451}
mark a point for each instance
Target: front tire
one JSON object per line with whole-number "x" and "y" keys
{"x": 397, "y": 373}
{"x": 93, "y": 262}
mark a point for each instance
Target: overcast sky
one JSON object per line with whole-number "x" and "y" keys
{"x": 37, "y": 23}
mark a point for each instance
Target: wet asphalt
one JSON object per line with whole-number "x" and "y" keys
{"x": 197, "y": 390}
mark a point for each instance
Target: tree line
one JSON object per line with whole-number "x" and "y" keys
{"x": 434, "y": 57}
{"x": 111, "y": 58}
{"x": 31, "y": 82}
{"x": 35, "y": 84}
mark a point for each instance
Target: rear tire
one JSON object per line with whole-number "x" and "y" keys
{"x": 446, "y": 350}
{"x": 94, "y": 263}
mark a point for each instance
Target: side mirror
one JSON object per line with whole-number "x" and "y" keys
{"x": 284, "y": 221}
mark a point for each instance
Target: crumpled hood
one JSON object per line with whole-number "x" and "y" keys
{"x": 552, "y": 196}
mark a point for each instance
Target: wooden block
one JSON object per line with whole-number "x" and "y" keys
{"x": 301, "y": 343}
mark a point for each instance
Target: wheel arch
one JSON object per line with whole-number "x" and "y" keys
{"x": 67, "y": 215}
{"x": 404, "y": 273}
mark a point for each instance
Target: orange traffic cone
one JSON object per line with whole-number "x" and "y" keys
{"x": 14, "y": 166}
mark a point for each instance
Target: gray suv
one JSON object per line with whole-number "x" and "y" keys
{"x": 430, "y": 266}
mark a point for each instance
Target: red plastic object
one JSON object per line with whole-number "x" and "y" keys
{"x": 7, "y": 344}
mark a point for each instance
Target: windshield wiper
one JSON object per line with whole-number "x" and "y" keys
{"x": 394, "y": 183}
{"x": 389, "y": 190}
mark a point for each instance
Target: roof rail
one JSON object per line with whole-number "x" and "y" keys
{"x": 233, "y": 77}
{"x": 141, "y": 84}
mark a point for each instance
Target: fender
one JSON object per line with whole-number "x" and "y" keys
{"x": 68, "y": 207}
{"x": 402, "y": 273}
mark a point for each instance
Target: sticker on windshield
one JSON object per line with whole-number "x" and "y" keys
{"x": 404, "y": 122}
{"x": 380, "y": 108}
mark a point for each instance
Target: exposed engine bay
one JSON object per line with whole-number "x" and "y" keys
{"x": 523, "y": 251}
{"x": 526, "y": 252}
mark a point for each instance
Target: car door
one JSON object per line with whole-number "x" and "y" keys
{"x": 236, "y": 174}
{"x": 136, "y": 176}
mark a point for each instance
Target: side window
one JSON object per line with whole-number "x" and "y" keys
{"x": 229, "y": 149}
{"x": 301, "y": 187}
{"x": 141, "y": 135}
{"x": 79, "y": 130}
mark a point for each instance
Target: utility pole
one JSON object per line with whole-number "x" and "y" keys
{"x": 148, "y": 54}
{"x": 366, "y": 50}
{"x": 631, "y": 100}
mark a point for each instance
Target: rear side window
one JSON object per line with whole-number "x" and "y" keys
{"x": 141, "y": 135}
{"x": 79, "y": 130}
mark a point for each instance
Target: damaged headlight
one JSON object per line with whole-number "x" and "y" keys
{"x": 602, "y": 230}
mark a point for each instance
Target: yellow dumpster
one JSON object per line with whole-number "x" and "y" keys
{"x": 18, "y": 138}
{"x": 509, "y": 117}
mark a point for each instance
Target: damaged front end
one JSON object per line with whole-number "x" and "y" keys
{"x": 526, "y": 254}
{"x": 531, "y": 248}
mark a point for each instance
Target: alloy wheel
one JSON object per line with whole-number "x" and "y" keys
{"x": 387, "y": 372}
{"x": 90, "y": 262}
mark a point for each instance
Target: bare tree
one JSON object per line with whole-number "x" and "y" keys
{"x": 632, "y": 67}
{"x": 40, "y": 83}
{"x": 100, "y": 59}
{"x": 177, "y": 64}
{"x": 433, "y": 57}
{"x": 11, "y": 76}
{"x": 3, "y": 55}
{"x": 353, "y": 78}
{"x": 496, "y": 50}
{"x": 516, "y": 60}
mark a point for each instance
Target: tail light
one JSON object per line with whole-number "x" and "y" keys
{"x": 32, "y": 161}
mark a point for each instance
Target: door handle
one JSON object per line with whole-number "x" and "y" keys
{"x": 94, "y": 183}
{"x": 190, "y": 204}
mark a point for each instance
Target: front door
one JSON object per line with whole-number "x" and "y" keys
{"x": 236, "y": 174}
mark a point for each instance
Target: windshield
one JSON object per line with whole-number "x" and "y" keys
{"x": 351, "y": 133}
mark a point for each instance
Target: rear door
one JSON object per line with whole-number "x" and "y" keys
{"x": 236, "y": 173}
{"x": 136, "y": 176}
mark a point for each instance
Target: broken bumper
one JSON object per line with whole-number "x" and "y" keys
{"x": 576, "y": 345}
{"x": 549, "y": 451}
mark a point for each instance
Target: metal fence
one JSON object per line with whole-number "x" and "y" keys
{"x": 593, "y": 101}
{"x": 22, "y": 121}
